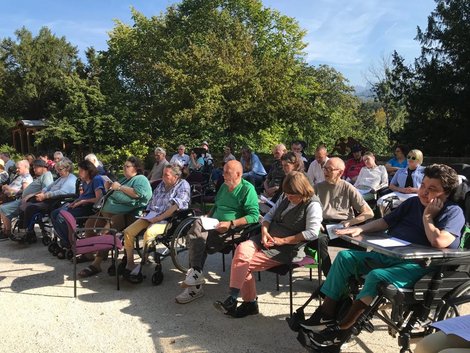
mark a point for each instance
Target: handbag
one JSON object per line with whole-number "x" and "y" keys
{"x": 5, "y": 198}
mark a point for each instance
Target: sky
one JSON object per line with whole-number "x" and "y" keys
{"x": 352, "y": 36}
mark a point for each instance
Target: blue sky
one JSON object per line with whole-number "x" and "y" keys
{"x": 352, "y": 36}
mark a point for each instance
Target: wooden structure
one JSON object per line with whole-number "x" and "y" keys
{"x": 23, "y": 134}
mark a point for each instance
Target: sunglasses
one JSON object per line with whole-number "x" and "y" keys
{"x": 413, "y": 158}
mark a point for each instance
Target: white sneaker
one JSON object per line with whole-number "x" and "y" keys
{"x": 189, "y": 294}
{"x": 193, "y": 278}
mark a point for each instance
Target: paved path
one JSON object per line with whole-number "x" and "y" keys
{"x": 39, "y": 313}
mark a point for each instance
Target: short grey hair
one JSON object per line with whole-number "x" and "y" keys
{"x": 160, "y": 150}
{"x": 23, "y": 162}
{"x": 175, "y": 169}
{"x": 58, "y": 154}
{"x": 65, "y": 163}
{"x": 92, "y": 158}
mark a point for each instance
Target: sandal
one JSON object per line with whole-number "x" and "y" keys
{"x": 89, "y": 271}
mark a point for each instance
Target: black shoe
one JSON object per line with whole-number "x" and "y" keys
{"x": 331, "y": 336}
{"x": 245, "y": 309}
{"x": 317, "y": 322}
{"x": 227, "y": 307}
{"x": 31, "y": 237}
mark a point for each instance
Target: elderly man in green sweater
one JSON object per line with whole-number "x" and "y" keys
{"x": 236, "y": 204}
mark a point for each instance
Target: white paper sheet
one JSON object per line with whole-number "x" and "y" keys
{"x": 149, "y": 215}
{"x": 389, "y": 242}
{"x": 330, "y": 229}
{"x": 209, "y": 223}
{"x": 459, "y": 326}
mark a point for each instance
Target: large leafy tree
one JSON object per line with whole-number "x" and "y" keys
{"x": 32, "y": 71}
{"x": 207, "y": 69}
{"x": 43, "y": 78}
{"x": 436, "y": 88}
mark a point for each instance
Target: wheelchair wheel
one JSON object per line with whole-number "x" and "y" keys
{"x": 179, "y": 245}
{"x": 53, "y": 248}
{"x": 157, "y": 278}
{"x": 46, "y": 240}
{"x": 457, "y": 303}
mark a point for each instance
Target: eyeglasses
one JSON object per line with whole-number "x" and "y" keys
{"x": 60, "y": 169}
{"x": 127, "y": 166}
{"x": 330, "y": 169}
{"x": 413, "y": 158}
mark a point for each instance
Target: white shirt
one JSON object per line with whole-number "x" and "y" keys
{"x": 180, "y": 160}
{"x": 372, "y": 179}
{"x": 315, "y": 172}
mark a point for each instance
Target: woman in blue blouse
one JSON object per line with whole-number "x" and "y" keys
{"x": 92, "y": 185}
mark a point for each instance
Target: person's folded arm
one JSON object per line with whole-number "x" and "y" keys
{"x": 365, "y": 214}
{"x": 438, "y": 238}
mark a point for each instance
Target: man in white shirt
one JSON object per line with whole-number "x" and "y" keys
{"x": 180, "y": 158}
{"x": 315, "y": 171}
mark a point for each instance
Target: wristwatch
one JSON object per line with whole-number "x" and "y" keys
{"x": 232, "y": 225}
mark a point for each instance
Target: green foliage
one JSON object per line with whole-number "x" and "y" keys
{"x": 231, "y": 72}
{"x": 116, "y": 156}
{"x": 14, "y": 154}
{"x": 432, "y": 96}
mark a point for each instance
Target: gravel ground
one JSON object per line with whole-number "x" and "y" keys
{"x": 39, "y": 313}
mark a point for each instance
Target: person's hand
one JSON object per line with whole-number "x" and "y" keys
{"x": 40, "y": 197}
{"x": 346, "y": 223}
{"x": 108, "y": 185}
{"x": 222, "y": 227}
{"x": 269, "y": 192}
{"x": 267, "y": 239}
{"x": 433, "y": 208}
{"x": 115, "y": 185}
{"x": 154, "y": 220}
{"x": 278, "y": 241}
{"x": 352, "y": 231}
{"x": 74, "y": 204}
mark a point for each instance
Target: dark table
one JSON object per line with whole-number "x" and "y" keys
{"x": 408, "y": 252}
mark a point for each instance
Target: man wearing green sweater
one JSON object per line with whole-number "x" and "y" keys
{"x": 236, "y": 204}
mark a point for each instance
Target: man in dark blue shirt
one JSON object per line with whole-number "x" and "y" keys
{"x": 429, "y": 219}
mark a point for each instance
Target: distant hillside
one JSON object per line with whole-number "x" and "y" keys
{"x": 364, "y": 93}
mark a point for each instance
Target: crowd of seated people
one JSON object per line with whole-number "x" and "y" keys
{"x": 304, "y": 203}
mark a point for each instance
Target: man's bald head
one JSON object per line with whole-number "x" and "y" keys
{"x": 233, "y": 171}
{"x": 334, "y": 169}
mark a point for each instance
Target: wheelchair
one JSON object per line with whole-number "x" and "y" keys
{"x": 408, "y": 312}
{"x": 173, "y": 246}
{"x": 42, "y": 219}
{"x": 228, "y": 242}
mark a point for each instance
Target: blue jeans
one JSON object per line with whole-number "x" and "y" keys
{"x": 59, "y": 224}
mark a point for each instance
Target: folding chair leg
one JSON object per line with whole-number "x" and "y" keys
{"x": 115, "y": 258}
{"x": 223, "y": 262}
{"x": 74, "y": 275}
{"x": 277, "y": 282}
{"x": 291, "y": 301}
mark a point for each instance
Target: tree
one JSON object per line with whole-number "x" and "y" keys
{"x": 436, "y": 88}
{"x": 206, "y": 69}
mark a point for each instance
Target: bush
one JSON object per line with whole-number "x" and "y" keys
{"x": 116, "y": 157}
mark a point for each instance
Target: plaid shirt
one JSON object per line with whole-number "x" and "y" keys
{"x": 162, "y": 199}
